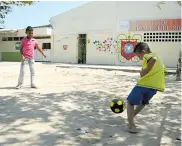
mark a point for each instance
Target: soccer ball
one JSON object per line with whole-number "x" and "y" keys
{"x": 117, "y": 106}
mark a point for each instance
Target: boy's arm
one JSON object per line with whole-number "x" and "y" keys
{"x": 150, "y": 64}
{"x": 21, "y": 52}
{"x": 40, "y": 50}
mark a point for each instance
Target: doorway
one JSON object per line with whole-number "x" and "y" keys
{"x": 82, "y": 43}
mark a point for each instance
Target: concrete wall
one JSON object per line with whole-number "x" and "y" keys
{"x": 66, "y": 48}
{"x": 101, "y": 20}
{"x": 94, "y": 16}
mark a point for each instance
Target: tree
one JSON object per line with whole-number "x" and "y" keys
{"x": 178, "y": 69}
{"x": 6, "y": 7}
{"x": 163, "y": 2}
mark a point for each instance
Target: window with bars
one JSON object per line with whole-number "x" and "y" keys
{"x": 46, "y": 46}
{"x": 43, "y": 37}
{"x": 4, "y": 39}
{"x": 10, "y": 38}
{"x": 162, "y": 37}
{"x": 16, "y": 38}
{"x": 20, "y": 38}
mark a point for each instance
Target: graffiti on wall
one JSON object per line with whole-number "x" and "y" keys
{"x": 105, "y": 45}
{"x": 122, "y": 46}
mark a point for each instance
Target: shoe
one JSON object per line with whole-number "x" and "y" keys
{"x": 33, "y": 86}
{"x": 18, "y": 86}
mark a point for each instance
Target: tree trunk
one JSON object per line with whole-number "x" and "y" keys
{"x": 178, "y": 70}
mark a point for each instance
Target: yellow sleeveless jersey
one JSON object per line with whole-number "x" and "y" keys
{"x": 155, "y": 79}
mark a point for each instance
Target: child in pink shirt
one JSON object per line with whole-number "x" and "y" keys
{"x": 28, "y": 44}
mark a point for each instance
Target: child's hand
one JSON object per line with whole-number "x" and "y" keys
{"x": 44, "y": 56}
{"x": 22, "y": 58}
{"x": 142, "y": 72}
{"x": 150, "y": 65}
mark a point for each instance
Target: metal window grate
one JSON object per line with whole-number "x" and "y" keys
{"x": 19, "y": 38}
{"x": 162, "y": 37}
{"x": 46, "y": 45}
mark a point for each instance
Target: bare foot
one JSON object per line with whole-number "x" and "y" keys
{"x": 18, "y": 86}
{"x": 34, "y": 86}
{"x": 131, "y": 129}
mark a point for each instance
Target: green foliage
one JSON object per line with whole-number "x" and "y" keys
{"x": 6, "y": 7}
{"x": 179, "y": 2}
{"x": 17, "y": 3}
{"x": 158, "y": 5}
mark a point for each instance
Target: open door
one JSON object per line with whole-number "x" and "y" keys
{"x": 82, "y": 42}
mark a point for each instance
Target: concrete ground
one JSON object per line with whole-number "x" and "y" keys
{"x": 71, "y": 108}
{"x": 109, "y": 67}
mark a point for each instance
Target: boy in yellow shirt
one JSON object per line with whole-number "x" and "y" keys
{"x": 152, "y": 80}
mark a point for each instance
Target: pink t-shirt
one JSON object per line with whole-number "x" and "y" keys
{"x": 28, "y": 47}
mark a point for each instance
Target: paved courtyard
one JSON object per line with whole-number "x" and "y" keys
{"x": 71, "y": 108}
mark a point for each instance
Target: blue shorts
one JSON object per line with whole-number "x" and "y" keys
{"x": 141, "y": 94}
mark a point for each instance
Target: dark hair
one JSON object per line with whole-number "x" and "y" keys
{"x": 29, "y": 28}
{"x": 140, "y": 47}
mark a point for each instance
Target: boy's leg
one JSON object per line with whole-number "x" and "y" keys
{"x": 32, "y": 72}
{"x": 21, "y": 75}
{"x": 147, "y": 96}
{"x": 130, "y": 114}
{"x": 139, "y": 108}
{"x": 134, "y": 98}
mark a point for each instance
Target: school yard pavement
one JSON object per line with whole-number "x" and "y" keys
{"x": 71, "y": 108}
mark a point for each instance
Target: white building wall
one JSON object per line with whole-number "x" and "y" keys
{"x": 146, "y": 10}
{"x": 107, "y": 15}
{"x": 94, "y": 16}
{"x": 101, "y": 20}
{"x": 66, "y": 48}
{"x": 96, "y": 55}
{"x": 168, "y": 52}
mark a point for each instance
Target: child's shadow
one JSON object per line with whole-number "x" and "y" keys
{"x": 14, "y": 88}
{"x": 7, "y": 88}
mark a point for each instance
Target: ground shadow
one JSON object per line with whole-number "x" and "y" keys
{"x": 82, "y": 117}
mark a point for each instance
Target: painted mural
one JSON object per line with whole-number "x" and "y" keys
{"x": 125, "y": 46}
{"x": 105, "y": 45}
{"x": 122, "y": 47}
{"x": 64, "y": 41}
{"x": 65, "y": 47}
